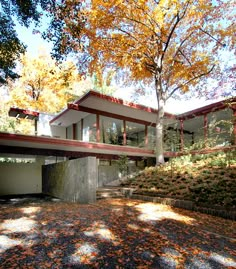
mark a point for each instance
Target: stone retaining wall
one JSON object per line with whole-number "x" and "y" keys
{"x": 219, "y": 212}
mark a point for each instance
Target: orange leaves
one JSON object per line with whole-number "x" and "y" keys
{"x": 43, "y": 85}
{"x": 62, "y": 240}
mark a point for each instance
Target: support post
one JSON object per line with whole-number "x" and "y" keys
{"x": 124, "y": 133}
{"x": 97, "y": 128}
{"x": 181, "y": 135}
{"x": 35, "y": 126}
{"x": 146, "y": 136}
{"x": 82, "y": 127}
{"x": 205, "y": 130}
{"x": 74, "y": 131}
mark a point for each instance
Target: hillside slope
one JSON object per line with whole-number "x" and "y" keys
{"x": 209, "y": 180}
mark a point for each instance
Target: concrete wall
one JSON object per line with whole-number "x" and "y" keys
{"x": 20, "y": 178}
{"x": 108, "y": 173}
{"x": 74, "y": 180}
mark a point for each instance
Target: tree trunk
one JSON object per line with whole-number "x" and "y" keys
{"x": 159, "y": 133}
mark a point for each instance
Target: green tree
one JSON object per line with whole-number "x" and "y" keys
{"x": 172, "y": 45}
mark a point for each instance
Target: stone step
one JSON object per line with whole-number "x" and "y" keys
{"x": 114, "y": 192}
{"x": 109, "y": 192}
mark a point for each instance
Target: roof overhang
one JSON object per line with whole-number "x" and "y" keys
{"x": 97, "y": 103}
{"x": 228, "y": 103}
{"x": 23, "y": 113}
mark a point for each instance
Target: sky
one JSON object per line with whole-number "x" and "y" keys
{"x": 34, "y": 43}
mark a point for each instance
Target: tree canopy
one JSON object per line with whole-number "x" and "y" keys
{"x": 43, "y": 85}
{"x": 172, "y": 45}
{"x": 11, "y": 47}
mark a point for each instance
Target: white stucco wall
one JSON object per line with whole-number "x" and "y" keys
{"x": 20, "y": 178}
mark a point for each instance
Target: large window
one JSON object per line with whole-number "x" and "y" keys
{"x": 69, "y": 132}
{"x": 111, "y": 131}
{"x": 135, "y": 134}
{"x": 78, "y": 131}
{"x": 172, "y": 137}
{"x": 220, "y": 128}
{"x": 89, "y": 128}
{"x": 151, "y": 137}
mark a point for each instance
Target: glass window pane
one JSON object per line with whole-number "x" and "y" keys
{"x": 89, "y": 128}
{"x": 135, "y": 134}
{"x": 69, "y": 132}
{"x": 111, "y": 131}
{"x": 220, "y": 128}
{"x": 78, "y": 131}
{"x": 172, "y": 137}
{"x": 194, "y": 132}
{"x": 151, "y": 137}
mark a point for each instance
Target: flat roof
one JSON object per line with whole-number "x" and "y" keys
{"x": 23, "y": 113}
{"x": 97, "y": 103}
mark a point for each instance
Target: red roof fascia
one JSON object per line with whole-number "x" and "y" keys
{"x": 206, "y": 109}
{"x": 125, "y": 103}
{"x": 24, "y": 111}
{"x": 112, "y": 100}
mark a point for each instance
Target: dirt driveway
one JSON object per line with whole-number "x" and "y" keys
{"x": 116, "y": 233}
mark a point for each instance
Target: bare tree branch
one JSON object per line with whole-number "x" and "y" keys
{"x": 190, "y": 80}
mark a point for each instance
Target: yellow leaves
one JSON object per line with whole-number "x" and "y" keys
{"x": 185, "y": 88}
{"x": 43, "y": 84}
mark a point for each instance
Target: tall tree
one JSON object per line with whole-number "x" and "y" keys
{"x": 11, "y": 47}
{"x": 172, "y": 45}
{"x": 43, "y": 85}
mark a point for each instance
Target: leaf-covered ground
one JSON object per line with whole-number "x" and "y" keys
{"x": 115, "y": 233}
{"x": 210, "y": 181}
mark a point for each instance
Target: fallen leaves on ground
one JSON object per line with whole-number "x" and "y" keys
{"x": 115, "y": 233}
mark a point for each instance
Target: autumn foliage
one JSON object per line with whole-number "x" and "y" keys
{"x": 169, "y": 45}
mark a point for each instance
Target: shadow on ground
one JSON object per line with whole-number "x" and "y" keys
{"x": 43, "y": 232}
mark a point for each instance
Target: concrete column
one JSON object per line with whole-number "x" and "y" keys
{"x": 73, "y": 180}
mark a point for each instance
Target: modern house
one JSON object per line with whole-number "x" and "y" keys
{"x": 105, "y": 127}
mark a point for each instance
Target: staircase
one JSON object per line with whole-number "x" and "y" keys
{"x": 114, "y": 192}
{"x": 109, "y": 192}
